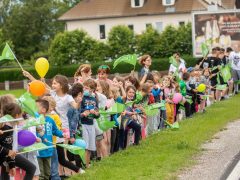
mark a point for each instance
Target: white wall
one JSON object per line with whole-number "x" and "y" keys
{"x": 92, "y": 26}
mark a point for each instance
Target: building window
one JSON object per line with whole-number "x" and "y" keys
{"x": 102, "y": 31}
{"x": 130, "y": 26}
{"x": 137, "y": 2}
{"x": 148, "y": 25}
{"x": 168, "y": 2}
{"x": 181, "y": 23}
{"x": 159, "y": 26}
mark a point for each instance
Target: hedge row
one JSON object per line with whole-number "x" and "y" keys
{"x": 160, "y": 64}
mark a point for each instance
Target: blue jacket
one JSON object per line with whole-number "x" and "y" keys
{"x": 88, "y": 103}
{"x": 73, "y": 120}
{"x": 50, "y": 130}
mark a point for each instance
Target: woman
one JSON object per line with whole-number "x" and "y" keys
{"x": 177, "y": 67}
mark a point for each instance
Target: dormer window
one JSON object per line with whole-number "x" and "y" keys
{"x": 168, "y": 2}
{"x": 137, "y": 3}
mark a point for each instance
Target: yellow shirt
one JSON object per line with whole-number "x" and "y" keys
{"x": 58, "y": 122}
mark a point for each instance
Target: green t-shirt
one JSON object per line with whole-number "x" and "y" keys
{"x": 183, "y": 88}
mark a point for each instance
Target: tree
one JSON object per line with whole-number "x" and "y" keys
{"x": 75, "y": 47}
{"x": 31, "y": 24}
{"x": 148, "y": 41}
{"x": 121, "y": 41}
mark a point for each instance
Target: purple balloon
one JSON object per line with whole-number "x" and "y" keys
{"x": 177, "y": 97}
{"x": 26, "y": 138}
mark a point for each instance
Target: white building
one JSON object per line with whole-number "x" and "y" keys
{"x": 97, "y": 17}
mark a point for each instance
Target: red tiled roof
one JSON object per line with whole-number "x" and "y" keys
{"x": 93, "y": 9}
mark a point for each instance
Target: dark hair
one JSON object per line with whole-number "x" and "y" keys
{"x": 145, "y": 87}
{"x": 91, "y": 84}
{"x": 11, "y": 109}
{"x": 222, "y": 50}
{"x": 76, "y": 89}
{"x": 229, "y": 49}
{"x": 185, "y": 76}
{"x": 43, "y": 103}
{"x": 131, "y": 87}
{"x": 133, "y": 80}
{"x": 63, "y": 81}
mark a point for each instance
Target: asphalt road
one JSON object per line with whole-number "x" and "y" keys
{"x": 220, "y": 158}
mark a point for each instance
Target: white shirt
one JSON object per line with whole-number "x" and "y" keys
{"x": 181, "y": 66}
{"x": 234, "y": 58}
{"x": 102, "y": 101}
{"x": 62, "y": 106}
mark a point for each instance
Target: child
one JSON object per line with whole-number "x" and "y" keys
{"x": 83, "y": 73}
{"x": 183, "y": 90}
{"x": 103, "y": 72}
{"x": 6, "y": 141}
{"x": 89, "y": 111}
{"x": 74, "y": 122}
{"x": 64, "y": 102}
{"x": 169, "y": 90}
{"x": 57, "y": 120}
{"x": 46, "y": 134}
{"x": 131, "y": 80}
{"x": 129, "y": 121}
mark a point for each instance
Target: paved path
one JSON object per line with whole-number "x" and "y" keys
{"x": 220, "y": 158}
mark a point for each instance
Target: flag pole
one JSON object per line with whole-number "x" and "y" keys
{"x": 16, "y": 58}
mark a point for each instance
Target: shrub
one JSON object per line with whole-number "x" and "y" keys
{"x": 121, "y": 41}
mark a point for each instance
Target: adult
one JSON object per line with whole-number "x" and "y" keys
{"x": 234, "y": 58}
{"x": 145, "y": 61}
{"x": 179, "y": 67}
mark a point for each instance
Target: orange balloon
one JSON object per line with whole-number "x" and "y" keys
{"x": 37, "y": 88}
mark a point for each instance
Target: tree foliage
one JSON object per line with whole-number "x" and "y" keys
{"x": 75, "y": 47}
{"x": 31, "y": 24}
{"x": 121, "y": 40}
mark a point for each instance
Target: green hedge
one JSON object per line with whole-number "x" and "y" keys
{"x": 160, "y": 64}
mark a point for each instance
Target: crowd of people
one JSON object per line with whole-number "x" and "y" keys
{"x": 75, "y": 108}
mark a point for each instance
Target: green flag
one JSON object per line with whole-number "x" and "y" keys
{"x": 172, "y": 126}
{"x": 130, "y": 59}
{"x": 7, "y": 53}
{"x": 150, "y": 112}
{"x": 226, "y": 73}
{"x": 204, "y": 49}
{"x": 75, "y": 150}
{"x": 221, "y": 87}
{"x": 28, "y": 104}
{"x": 34, "y": 147}
{"x": 34, "y": 122}
{"x": 173, "y": 61}
{"x": 8, "y": 118}
{"x": 104, "y": 124}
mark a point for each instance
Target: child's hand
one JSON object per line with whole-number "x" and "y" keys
{"x": 92, "y": 111}
{"x": 1, "y": 132}
{"x": 86, "y": 113}
{"x": 12, "y": 172}
{"x": 12, "y": 154}
{"x": 26, "y": 74}
{"x": 72, "y": 140}
{"x": 194, "y": 90}
{"x": 38, "y": 140}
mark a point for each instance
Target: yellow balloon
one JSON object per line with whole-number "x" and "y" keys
{"x": 42, "y": 66}
{"x": 201, "y": 87}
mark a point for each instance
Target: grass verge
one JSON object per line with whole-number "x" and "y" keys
{"x": 163, "y": 154}
{"x": 16, "y": 93}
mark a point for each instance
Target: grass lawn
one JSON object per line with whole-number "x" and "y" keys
{"x": 16, "y": 93}
{"x": 163, "y": 154}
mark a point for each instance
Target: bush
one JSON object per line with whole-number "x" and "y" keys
{"x": 75, "y": 47}
{"x": 148, "y": 42}
{"x": 160, "y": 64}
{"x": 121, "y": 41}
